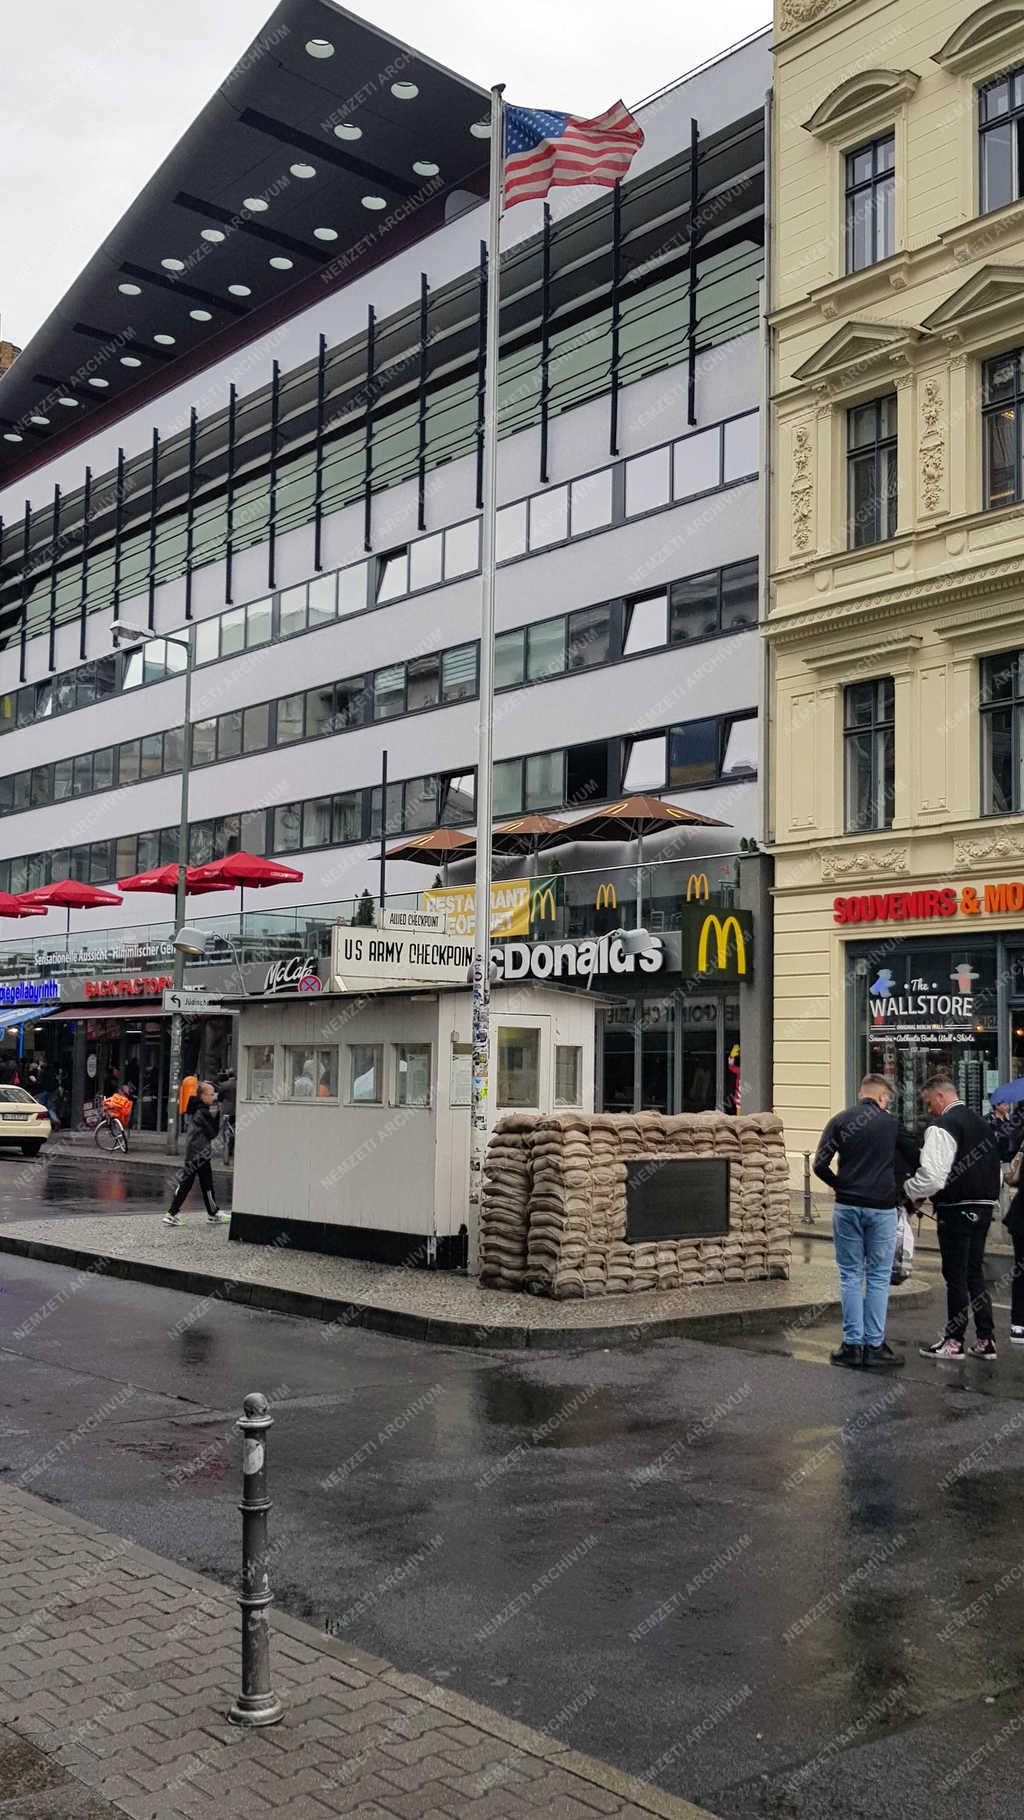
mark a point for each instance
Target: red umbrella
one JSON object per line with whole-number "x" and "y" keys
{"x": 236, "y": 871}
{"x": 70, "y": 894}
{"x": 165, "y": 878}
{"x": 13, "y": 906}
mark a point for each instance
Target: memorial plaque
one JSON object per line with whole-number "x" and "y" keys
{"x": 676, "y": 1197}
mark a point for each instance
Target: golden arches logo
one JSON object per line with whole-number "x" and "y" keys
{"x": 544, "y": 905}
{"x": 607, "y": 897}
{"x": 697, "y": 883}
{"x": 721, "y": 931}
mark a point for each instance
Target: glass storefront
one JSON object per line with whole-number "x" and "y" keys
{"x": 920, "y": 1007}
{"x": 676, "y": 1054}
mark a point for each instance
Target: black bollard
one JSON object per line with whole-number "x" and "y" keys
{"x": 257, "y": 1704}
{"x": 808, "y": 1204}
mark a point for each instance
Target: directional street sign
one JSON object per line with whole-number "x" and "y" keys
{"x": 189, "y": 999}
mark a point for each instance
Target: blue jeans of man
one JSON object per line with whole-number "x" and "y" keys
{"x": 865, "y": 1240}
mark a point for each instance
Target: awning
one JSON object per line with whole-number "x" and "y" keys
{"x": 104, "y": 1014}
{"x": 27, "y": 1014}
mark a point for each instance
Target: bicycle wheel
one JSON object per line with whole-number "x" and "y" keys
{"x": 107, "y": 1135}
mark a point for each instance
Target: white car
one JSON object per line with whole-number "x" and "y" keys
{"x": 23, "y": 1121}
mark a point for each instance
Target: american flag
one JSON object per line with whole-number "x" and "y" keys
{"x": 543, "y": 149}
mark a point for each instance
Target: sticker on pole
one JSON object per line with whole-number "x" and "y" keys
{"x": 252, "y": 1455}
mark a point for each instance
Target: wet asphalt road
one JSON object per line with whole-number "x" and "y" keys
{"x": 773, "y": 1587}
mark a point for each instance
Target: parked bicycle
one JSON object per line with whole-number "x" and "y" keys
{"x": 111, "y": 1130}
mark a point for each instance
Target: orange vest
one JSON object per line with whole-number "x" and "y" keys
{"x": 188, "y": 1088}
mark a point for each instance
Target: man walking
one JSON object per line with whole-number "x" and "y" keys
{"x": 959, "y": 1171}
{"x": 866, "y": 1218}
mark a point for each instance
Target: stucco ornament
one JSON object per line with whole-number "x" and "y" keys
{"x": 933, "y": 447}
{"x": 869, "y": 863}
{"x": 801, "y": 491}
{"x": 802, "y": 12}
{"x": 984, "y": 847}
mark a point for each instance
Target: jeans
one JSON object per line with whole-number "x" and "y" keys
{"x": 865, "y": 1240}
{"x": 962, "y": 1249}
{"x": 185, "y": 1180}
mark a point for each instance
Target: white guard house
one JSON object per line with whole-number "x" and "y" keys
{"x": 353, "y": 1118}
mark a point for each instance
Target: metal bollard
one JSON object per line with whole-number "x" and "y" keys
{"x": 808, "y": 1209}
{"x": 257, "y": 1704}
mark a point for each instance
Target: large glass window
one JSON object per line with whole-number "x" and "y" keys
{"x": 869, "y": 741}
{"x": 1001, "y": 134}
{"x": 518, "y": 1065}
{"x": 588, "y": 638}
{"x": 1002, "y": 709}
{"x": 1002, "y": 412}
{"x": 545, "y": 779}
{"x": 458, "y": 673}
{"x": 870, "y": 190}
{"x": 646, "y": 624}
{"x": 692, "y": 754}
{"x": 412, "y": 1074}
{"x": 259, "y": 1071}
{"x": 871, "y": 471}
{"x": 366, "y": 1074}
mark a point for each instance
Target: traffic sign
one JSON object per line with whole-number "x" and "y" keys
{"x": 189, "y": 999}
{"x": 426, "y": 922}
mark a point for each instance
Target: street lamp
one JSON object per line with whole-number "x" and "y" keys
{"x": 130, "y": 637}
{"x": 194, "y": 943}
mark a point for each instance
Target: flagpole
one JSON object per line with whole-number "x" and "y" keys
{"x": 485, "y": 747}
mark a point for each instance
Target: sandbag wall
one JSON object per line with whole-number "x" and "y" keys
{"x": 553, "y": 1215}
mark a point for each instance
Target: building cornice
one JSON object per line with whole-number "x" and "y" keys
{"x": 876, "y": 608}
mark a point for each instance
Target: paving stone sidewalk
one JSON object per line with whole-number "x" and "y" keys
{"x": 117, "y": 1667}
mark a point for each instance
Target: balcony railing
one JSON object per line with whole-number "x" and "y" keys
{"x": 555, "y": 906}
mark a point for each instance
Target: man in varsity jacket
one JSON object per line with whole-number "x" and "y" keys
{"x": 959, "y": 1171}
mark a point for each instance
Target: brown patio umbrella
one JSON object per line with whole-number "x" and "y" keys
{"x": 630, "y": 819}
{"x": 527, "y": 834}
{"x": 435, "y": 848}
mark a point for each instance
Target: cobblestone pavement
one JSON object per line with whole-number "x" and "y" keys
{"x": 116, "y": 1669}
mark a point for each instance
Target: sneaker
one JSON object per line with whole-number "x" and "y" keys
{"x": 983, "y": 1349}
{"x": 852, "y": 1356}
{"x": 884, "y": 1357}
{"x": 943, "y": 1349}
{"x": 172, "y": 1219}
{"x": 218, "y": 1218}
{"x": 1017, "y": 1336}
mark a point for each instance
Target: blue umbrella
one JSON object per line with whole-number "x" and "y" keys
{"x": 1008, "y": 1095}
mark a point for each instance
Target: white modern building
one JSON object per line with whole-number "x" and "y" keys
{"x": 255, "y": 422}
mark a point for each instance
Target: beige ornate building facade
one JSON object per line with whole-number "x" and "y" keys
{"x": 895, "y": 620}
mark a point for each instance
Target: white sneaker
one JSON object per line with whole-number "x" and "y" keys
{"x": 1017, "y": 1336}
{"x": 218, "y": 1219}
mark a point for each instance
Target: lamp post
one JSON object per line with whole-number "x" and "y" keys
{"x": 132, "y": 636}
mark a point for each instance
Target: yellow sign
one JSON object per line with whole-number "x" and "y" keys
{"x": 698, "y": 884}
{"x": 607, "y": 898}
{"x": 721, "y": 931}
{"x": 510, "y": 907}
{"x": 543, "y": 905}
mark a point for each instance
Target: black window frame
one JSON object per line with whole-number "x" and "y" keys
{"x": 1014, "y": 118}
{"x": 991, "y": 707}
{"x": 866, "y": 189}
{"x": 992, "y": 410}
{"x": 880, "y": 730}
{"x": 876, "y": 452}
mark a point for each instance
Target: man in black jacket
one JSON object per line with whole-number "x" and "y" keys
{"x": 959, "y": 1171}
{"x": 866, "y": 1217}
{"x": 204, "y": 1124}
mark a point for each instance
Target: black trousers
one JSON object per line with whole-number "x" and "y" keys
{"x": 1015, "y": 1225}
{"x": 203, "y": 1169}
{"x": 962, "y": 1248}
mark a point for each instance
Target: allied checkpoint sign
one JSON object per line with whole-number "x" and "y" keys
{"x": 392, "y": 960}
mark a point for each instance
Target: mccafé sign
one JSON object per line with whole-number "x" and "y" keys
{"x": 921, "y": 906}
{"x": 573, "y": 960}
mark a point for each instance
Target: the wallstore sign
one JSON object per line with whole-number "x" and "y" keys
{"x": 922, "y": 906}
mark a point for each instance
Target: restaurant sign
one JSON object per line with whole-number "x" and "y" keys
{"x": 510, "y": 907}
{"x": 29, "y": 992}
{"x": 584, "y": 960}
{"x": 140, "y": 985}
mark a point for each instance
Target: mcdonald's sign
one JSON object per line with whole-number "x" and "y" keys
{"x": 607, "y": 897}
{"x": 543, "y": 905}
{"x": 697, "y": 883}
{"x": 716, "y": 945}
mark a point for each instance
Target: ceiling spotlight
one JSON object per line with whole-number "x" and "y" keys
{"x": 165, "y": 341}
{"x": 319, "y": 47}
{"x": 374, "y": 202}
{"x": 348, "y": 132}
{"x": 200, "y": 316}
{"x": 303, "y": 170}
{"x": 173, "y": 265}
{"x": 239, "y": 290}
{"x": 130, "y": 360}
{"x": 255, "y": 205}
{"x": 70, "y": 404}
{"x": 404, "y": 91}
{"x": 424, "y": 168}
{"x": 100, "y": 384}
{"x": 213, "y": 235}
{"x": 280, "y": 264}
{"x": 481, "y": 129}
{"x": 12, "y": 436}
{"x": 39, "y": 420}
{"x": 325, "y": 233}
{"x": 130, "y": 290}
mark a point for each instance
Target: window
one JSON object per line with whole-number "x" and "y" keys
{"x": 350, "y": 699}
{"x": 694, "y": 607}
{"x": 462, "y": 549}
{"x": 310, "y": 1073}
{"x": 232, "y": 630}
{"x": 591, "y": 502}
{"x": 261, "y": 1071}
{"x": 229, "y": 735}
{"x": 508, "y": 787}
{"x": 1002, "y": 405}
{"x": 647, "y": 483}
{"x": 290, "y": 718}
{"x": 425, "y": 560}
{"x": 321, "y": 603}
{"x": 871, "y": 472}
{"x": 1001, "y": 133}
{"x": 319, "y": 710}
{"x": 393, "y": 575}
{"x": 739, "y": 747}
{"x": 586, "y": 773}
{"x": 292, "y": 612}
{"x": 549, "y": 518}
{"x": 870, "y": 189}
{"x": 204, "y": 750}
{"x": 458, "y": 673}
{"x": 739, "y": 447}
{"x": 1002, "y": 705}
{"x": 588, "y": 638}
{"x": 424, "y": 683}
{"x": 518, "y": 1066}
{"x": 739, "y": 596}
{"x": 545, "y": 649}
{"x": 645, "y": 626}
{"x": 420, "y": 804}
{"x": 347, "y": 817}
{"x": 288, "y": 828}
{"x": 456, "y": 798}
{"x": 257, "y": 623}
{"x": 545, "y": 775}
{"x": 256, "y": 727}
{"x": 695, "y": 464}
{"x": 509, "y": 659}
{"x": 412, "y": 1074}
{"x": 644, "y": 763}
{"x": 870, "y": 754}
{"x": 207, "y": 646}
{"x": 568, "y": 1075}
{"x": 352, "y": 589}
{"x": 692, "y": 754}
{"x": 366, "y": 1073}
{"x": 510, "y": 532}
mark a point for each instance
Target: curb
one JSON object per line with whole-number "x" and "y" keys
{"x": 645, "y": 1795}
{"x": 923, "y": 1246}
{"x": 401, "y": 1323}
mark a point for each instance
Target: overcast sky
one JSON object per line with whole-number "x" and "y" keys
{"x": 92, "y": 97}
